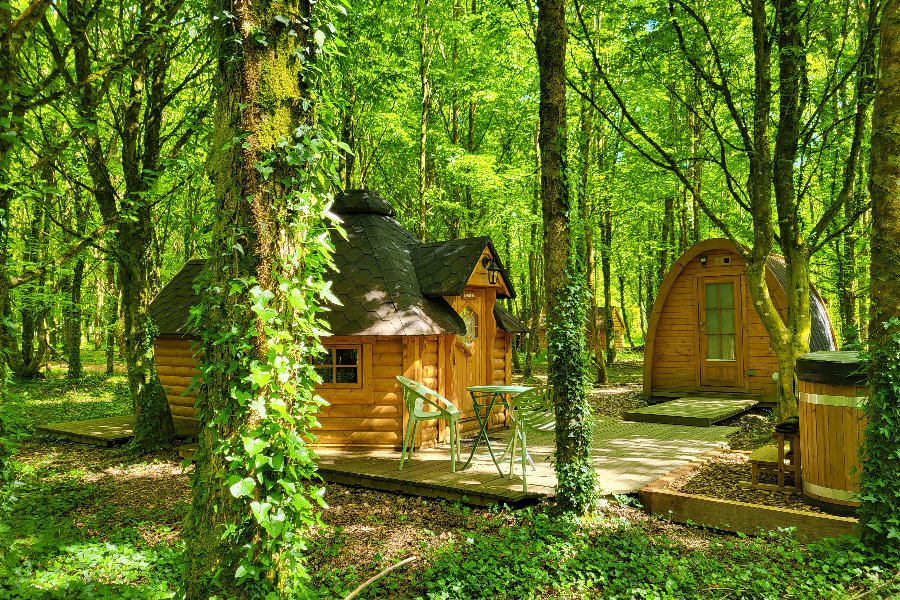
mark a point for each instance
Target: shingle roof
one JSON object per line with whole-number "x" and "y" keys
{"x": 507, "y": 321}
{"x": 444, "y": 268}
{"x": 378, "y": 278}
{"x": 172, "y": 306}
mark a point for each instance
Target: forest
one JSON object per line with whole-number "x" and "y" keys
{"x": 595, "y": 142}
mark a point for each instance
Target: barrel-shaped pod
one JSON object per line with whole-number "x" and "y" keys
{"x": 832, "y": 397}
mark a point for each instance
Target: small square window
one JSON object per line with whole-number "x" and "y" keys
{"x": 338, "y": 367}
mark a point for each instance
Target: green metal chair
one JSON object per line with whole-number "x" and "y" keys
{"x": 416, "y": 396}
{"x": 530, "y": 412}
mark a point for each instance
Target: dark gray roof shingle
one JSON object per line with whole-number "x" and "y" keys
{"x": 172, "y": 306}
{"x": 378, "y": 279}
{"x": 444, "y": 268}
{"x": 507, "y": 321}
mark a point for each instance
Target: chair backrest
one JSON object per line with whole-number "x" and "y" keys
{"x": 415, "y": 395}
{"x": 534, "y": 409}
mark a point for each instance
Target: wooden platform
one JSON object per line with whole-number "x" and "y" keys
{"x": 697, "y": 411}
{"x": 103, "y": 432}
{"x": 626, "y": 456}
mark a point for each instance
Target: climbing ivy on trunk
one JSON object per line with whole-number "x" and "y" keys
{"x": 253, "y": 485}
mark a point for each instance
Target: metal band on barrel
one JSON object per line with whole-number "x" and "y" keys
{"x": 825, "y": 400}
{"x": 830, "y": 493}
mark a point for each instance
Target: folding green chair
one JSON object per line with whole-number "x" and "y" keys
{"x": 530, "y": 411}
{"x": 415, "y": 396}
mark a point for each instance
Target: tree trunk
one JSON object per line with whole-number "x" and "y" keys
{"x": 624, "y": 310}
{"x": 577, "y": 479}
{"x": 260, "y": 93}
{"x": 134, "y": 240}
{"x": 112, "y": 316}
{"x": 425, "y": 83}
{"x": 535, "y": 317}
{"x": 881, "y": 452}
{"x": 74, "y": 316}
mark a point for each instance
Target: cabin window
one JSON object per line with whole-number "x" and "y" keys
{"x": 720, "y": 321}
{"x": 470, "y": 318}
{"x": 339, "y": 366}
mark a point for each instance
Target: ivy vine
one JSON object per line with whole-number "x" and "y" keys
{"x": 576, "y": 489}
{"x": 880, "y": 453}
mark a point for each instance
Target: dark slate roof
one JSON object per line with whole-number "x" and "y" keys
{"x": 507, "y": 321}
{"x": 171, "y": 307}
{"x": 444, "y": 268}
{"x": 820, "y": 337}
{"x": 376, "y": 281}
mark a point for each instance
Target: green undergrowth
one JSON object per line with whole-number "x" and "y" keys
{"x": 538, "y": 556}
{"x": 61, "y": 539}
{"x": 57, "y": 399}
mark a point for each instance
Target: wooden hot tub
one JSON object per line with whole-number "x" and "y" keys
{"x": 832, "y": 398}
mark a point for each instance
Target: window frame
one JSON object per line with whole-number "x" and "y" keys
{"x": 334, "y": 366}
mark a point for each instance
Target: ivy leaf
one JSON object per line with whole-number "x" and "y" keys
{"x": 320, "y": 37}
{"x": 254, "y": 446}
{"x": 283, "y": 20}
{"x": 261, "y": 378}
{"x": 242, "y": 488}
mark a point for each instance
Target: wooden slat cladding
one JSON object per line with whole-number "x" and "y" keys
{"x": 830, "y": 436}
{"x": 176, "y": 361}
{"x": 371, "y": 414}
{"x": 672, "y": 359}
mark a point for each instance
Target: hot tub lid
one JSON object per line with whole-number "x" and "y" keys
{"x": 832, "y": 368}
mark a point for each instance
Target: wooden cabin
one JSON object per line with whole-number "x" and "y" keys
{"x": 600, "y": 327}
{"x": 425, "y": 311}
{"x": 704, "y": 333}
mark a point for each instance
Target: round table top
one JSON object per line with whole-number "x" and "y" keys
{"x": 499, "y": 389}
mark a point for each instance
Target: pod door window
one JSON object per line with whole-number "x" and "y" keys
{"x": 720, "y": 321}
{"x": 339, "y": 367}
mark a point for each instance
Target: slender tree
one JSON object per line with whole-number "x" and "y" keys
{"x": 880, "y": 510}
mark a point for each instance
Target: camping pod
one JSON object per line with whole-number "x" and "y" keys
{"x": 429, "y": 312}
{"x": 704, "y": 333}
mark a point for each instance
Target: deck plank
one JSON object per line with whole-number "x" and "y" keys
{"x": 102, "y": 432}
{"x": 693, "y": 410}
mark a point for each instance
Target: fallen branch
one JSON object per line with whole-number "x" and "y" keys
{"x": 379, "y": 576}
{"x": 871, "y": 591}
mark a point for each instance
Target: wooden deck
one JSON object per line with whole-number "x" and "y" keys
{"x": 627, "y": 456}
{"x": 693, "y": 410}
{"x": 103, "y": 432}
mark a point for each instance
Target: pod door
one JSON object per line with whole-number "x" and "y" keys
{"x": 721, "y": 333}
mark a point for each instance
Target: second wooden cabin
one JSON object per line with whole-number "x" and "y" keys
{"x": 704, "y": 333}
{"x": 429, "y": 312}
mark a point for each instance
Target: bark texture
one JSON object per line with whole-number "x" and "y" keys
{"x": 880, "y": 512}
{"x": 259, "y": 92}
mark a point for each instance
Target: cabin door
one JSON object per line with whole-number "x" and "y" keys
{"x": 721, "y": 332}
{"x": 468, "y": 352}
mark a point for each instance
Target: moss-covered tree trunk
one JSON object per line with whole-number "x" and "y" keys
{"x": 74, "y": 313}
{"x": 534, "y": 297}
{"x": 880, "y": 510}
{"x": 263, "y": 116}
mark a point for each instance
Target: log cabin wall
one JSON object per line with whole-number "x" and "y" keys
{"x": 176, "y": 365}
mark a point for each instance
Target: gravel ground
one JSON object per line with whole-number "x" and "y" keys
{"x": 719, "y": 479}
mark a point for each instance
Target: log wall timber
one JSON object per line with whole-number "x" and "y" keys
{"x": 176, "y": 365}
{"x": 672, "y": 361}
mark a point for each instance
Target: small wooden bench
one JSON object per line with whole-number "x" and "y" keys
{"x": 773, "y": 459}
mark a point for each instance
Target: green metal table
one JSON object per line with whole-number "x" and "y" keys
{"x": 484, "y": 398}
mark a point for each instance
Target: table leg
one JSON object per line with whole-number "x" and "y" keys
{"x": 482, "y": 430}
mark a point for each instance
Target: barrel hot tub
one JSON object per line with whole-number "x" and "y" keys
{"x": 832, "y": 397}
